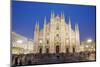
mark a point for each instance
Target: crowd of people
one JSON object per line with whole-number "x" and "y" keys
{"x": 34, "y": 59}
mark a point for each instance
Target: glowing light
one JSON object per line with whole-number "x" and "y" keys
{"x": 40, "y": 41}
{"x": 87, "y": 46}
{"x": 89, "y": 40}
{"x": 92, "y": 47}
{"x": 19, "y": 41}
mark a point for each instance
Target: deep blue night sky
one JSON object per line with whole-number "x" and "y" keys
{"x": 25, "y": 15}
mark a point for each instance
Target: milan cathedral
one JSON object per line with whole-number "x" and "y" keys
{"x": 57, "y": 36}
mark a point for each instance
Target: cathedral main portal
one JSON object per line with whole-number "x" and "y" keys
{"x": 57, "y": 47}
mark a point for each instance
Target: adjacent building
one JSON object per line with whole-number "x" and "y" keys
{"x": 20, "y": 44}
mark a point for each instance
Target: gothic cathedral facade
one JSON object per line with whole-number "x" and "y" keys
{"x": 57, "y": 36}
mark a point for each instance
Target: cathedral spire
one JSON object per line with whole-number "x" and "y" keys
{"x": 45, "y": 21}
{"x": 70, "y": 36}
{"x": 77, "y": 37}
{"x": 52, "y": 14}
{"x": 44, "y": 24}
{"x": 38, "y": 25}
{"x": 76, "y": 27}
{"x": 69, "y": 21}
{"x": 62, "y": 16}
{"x": 36, "y": 30}
{"x": 52, "y": 17}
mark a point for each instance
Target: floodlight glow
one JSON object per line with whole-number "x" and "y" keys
{"x": 19, "y": 41}
{"x": 87, "y": 46}
{"x": 40, "y": 41}
{"x": 89, "y": 40}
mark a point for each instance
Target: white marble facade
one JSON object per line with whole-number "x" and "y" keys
{"x": 57, "y": 36}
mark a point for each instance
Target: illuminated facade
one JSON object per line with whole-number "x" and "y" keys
{"x": 56, "y": 37}
{"x": 89, "y": 46}
{"x": 20, "y": 44}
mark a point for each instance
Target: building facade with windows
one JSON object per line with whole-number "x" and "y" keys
{"x": 21, "y": 44}
{"x": 57, "y": 36}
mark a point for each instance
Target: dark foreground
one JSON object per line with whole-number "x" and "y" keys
{"x": 39, "y": 59}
